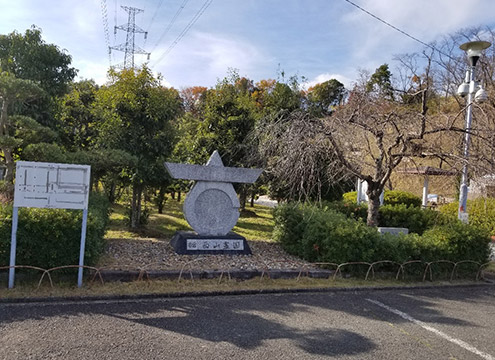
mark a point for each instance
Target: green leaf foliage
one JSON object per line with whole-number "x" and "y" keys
{"x": 137, "y": 115}
{"x": 390, "y": 197}
{"x": 28, "y": 56}
{"x": 51, "y": 237}
{"x": 481, "y": 212}
{"x": 321, "y": 234}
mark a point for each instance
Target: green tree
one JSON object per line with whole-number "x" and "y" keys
{"x": 27, "y": 56}
{"x": 228, "y": 115}
{"x": 78, "y": 119}
{"x": 14, "y": 92}
{"x": 137, "y": 115}
{"x": 381, "y": 82}
{"x": 322, "y": 97}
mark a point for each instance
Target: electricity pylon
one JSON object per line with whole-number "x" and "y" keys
{"x": 129, "y": 47}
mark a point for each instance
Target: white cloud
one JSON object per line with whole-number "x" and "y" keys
{"x": 327, "y": 76}
{"x": 92, "y": 70}
{"x": 373, "y": 43}
{"x": 202, "y": 58}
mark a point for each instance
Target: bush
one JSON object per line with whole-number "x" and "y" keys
{"x": 416, "y": 219}
{"x": 322, "y": 235}
{"x": 289, "y": 227}
{"x": 325, "y": 235}
{"x": 396, "y": 197}
{"x": 481, "y": 213}
{"x": 390, "y": 197}
{"x": 51, "y": 237}
{"x": 349, "y": 209}
{"x": 455, "y": 242}
{"x": 350, "y": 197}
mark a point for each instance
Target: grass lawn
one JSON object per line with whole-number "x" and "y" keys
{"x": 254, "y": 224}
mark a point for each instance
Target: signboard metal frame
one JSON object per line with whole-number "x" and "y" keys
{"x": 50, "y": 185}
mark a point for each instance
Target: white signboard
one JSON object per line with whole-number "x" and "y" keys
{"x": 51, "y": 185}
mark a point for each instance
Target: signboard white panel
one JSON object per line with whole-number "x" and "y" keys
{"x": 51, "y": 185}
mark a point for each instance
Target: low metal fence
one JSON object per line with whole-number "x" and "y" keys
{"x": 297, "y": 270}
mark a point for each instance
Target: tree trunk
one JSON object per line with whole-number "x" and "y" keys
{"x": 161, "y": 199}
{"x": 7, "y": 152}
{"x": 136, "y": 206}
{"x": 374, "y": 192}
{"x": 10, "y": 165}
{"x": 178, "y": 196}
{"x": 242, "y": 196}
{"x": 252, "y": 199}
{"x": 373, "y": 206}
{"x": 111, "y": 192}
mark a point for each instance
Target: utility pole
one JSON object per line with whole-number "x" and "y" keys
{"x": 129, "y": 48}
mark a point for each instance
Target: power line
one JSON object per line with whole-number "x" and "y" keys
{"x": 115, "y": 21}
{"x": 186, "y": 29}
{"x": 177, "y": 13}
{"x": 104, "y": 14}
{"x": 154, "y": 15}
{"x": 401, "y": 31}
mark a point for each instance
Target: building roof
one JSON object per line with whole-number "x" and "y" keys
{"x": 428, "y": 170}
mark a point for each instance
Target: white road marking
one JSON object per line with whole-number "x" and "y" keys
{"x": 461, "y": 343}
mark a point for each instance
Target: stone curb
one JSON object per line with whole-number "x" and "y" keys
{"x": 120, "y": 275}
{"x": 233, "y": 293}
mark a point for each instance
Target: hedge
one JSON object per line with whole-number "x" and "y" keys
{"x": 416, "y": 219}
{"x": 390, "y": 197}
{"x": 481, "y": 212}
{"x": 51, "y": 237}
{"x": 324, "y": 235}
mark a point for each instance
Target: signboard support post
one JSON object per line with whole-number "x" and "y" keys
{"x": 13, "y": 246}
{"x": 83, "y": 244}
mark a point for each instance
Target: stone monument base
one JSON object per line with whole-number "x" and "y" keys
{"x": 190, "y": 243}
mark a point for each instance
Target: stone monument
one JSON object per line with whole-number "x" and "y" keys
{"x": 211, "y": 207}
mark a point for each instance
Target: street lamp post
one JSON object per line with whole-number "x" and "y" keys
{"x": 472, "y": 89}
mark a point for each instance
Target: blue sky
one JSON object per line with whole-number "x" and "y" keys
{"x": 317, "y": 39}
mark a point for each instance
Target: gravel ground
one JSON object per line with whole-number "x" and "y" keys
{"x": 158, "y": 254}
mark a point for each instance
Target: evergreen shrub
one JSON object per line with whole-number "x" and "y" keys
{"x": 51, "y": 237}
{"x": 481, "y": 212}
{"x": 390, "y": 197}
{"x": 321, "y": 234}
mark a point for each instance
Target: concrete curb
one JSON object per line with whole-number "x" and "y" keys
{"x": 120, "y": 275}
{"x": 232, "y": 293}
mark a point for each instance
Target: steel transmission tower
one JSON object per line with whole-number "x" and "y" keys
{"x": 129, "y": 47}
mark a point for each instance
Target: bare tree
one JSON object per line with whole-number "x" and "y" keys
{"x": 296, "y": 156}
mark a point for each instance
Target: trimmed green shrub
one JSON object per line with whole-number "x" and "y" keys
{"x": 51, "y": 237}
{"x": 416, "y": 219}
{"x": 290, "y": 226}
{"x": 390, "y": 197}
{"x": 397, "y": 197}
{"x": 454, "y": 242}
{"x": 481, "y": 213}
{"x": 324, "y": 235}
{"x": 350, "y": 197}
{"x": 349, "y": 209}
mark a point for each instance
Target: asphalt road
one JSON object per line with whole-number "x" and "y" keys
{"x": 453, "y": 323}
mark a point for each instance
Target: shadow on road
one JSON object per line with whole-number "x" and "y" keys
{"x": 249, "y": 321}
